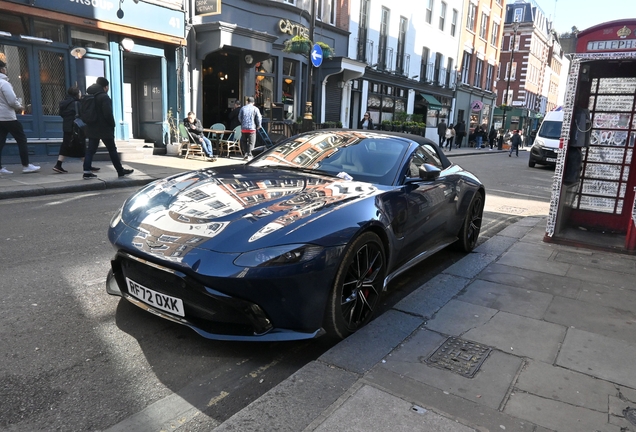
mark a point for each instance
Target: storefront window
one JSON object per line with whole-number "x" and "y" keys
{"x": 384, "y": 105}
{"x": 18, "y": 73}
{"x": 89, "y": 39}
{"x": 289, "y": 89}
{"x": 264, "y": 94}
{"x": 52, "y": 81}
{"x": 50, "y": 30}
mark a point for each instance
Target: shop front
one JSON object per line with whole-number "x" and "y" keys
{"x": 248, "y": 58}
{"x": 52, "y": 46}
{"x": 593, "y": 192}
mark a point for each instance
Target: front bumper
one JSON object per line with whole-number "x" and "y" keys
{"x": 543, "y": 155}
{"x": 262, "y": 307}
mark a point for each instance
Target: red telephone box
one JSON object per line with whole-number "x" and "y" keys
{"x": 593, "y": 191}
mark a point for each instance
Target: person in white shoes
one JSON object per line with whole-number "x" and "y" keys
{"x": 9, "y": 123}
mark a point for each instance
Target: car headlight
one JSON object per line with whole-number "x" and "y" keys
{"x": 278, "y": 255}
{"x": 116, "y": 217}
{"x": 539, "y": 143}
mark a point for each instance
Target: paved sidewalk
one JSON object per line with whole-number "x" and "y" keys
{"x": 560, "y": 322}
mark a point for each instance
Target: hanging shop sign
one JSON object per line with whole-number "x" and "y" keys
{"x": 476, "y": 105}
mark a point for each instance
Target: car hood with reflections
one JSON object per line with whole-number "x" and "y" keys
{"x": 234, "y": 209}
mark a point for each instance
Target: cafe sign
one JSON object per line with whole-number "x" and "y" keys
{"x": 287, "y": 27}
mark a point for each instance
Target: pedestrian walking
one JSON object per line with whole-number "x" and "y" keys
{"x": 441, "y": 132}
{"x": 103, "y": 128}
{"x": 251, "y": 120}
{"x": 515, "y": 142}
{"x": 9, "y": 123}
{"x": 460, "y": 133}
{"x": 233, "y": 115}
{"x": 450, "y": 137}
{"x": 195, "y": 128}
{"x": 366, "y": 122}
{"x": 73, "y": 138}
{"x": 492, "y": 135}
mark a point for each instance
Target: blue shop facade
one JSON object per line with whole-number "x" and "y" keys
{"x": 139, "y": 47}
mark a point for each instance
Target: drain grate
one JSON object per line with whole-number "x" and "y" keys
{"x": 459, "y": 356}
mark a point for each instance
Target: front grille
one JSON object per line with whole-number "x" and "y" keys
{"x": 217, "y": 314}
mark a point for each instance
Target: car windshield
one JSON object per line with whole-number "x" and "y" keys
{"x": 550, "y": 129}
{"x": 366, "y": 157}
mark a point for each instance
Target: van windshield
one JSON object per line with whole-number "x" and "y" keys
{"x": 550, "y": 129}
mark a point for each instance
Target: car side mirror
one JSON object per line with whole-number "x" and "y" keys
{"x": 426, "y": 172}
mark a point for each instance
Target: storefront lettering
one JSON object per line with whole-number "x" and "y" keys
{"x": 623, "y": 44}
{"x": 98, "y": 4}
{"x": 290, "y": 28}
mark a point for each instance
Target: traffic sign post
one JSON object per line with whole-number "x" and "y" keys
{"x": 316, "y": 55}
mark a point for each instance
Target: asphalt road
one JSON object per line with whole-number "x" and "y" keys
{"x": 76, "y": 359}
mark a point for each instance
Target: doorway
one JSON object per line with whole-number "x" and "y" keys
{"x": 221, "y": 86}
{"x": 142, "y": 103}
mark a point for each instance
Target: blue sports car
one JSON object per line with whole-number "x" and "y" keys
{"x": 299, "y": 242}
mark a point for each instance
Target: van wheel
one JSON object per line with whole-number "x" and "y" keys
{"x": 531, "y": 163}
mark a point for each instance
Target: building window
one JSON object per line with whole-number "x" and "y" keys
{"x": 483, "y": 30}
{"x": 438, "y": 68}
{"x": 384, "y": 34}
{"x": 518, "y": 15}
{"x": 326, "y": 12}
{"x": 454, "y": 23}
{"x": 494, "y": 34}
{"x": 399, "y": 61}
{"x": 470, "y": 17}
{"x": 429, "y": 11}
{"x": 442, "y": 16}
{"x": 449, "y": 71}
{"x": 363, "y": 29}
{"x": 489, "y": 73}
{"x": 479, "y": 67}
{"x": 465, "y": 67}
{"x": 424, "y": 69}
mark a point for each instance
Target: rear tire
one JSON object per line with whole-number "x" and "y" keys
{"x": 471, "y": 227}
{"x": 357, "y": 287}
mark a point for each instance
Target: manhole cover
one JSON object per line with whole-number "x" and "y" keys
{"x": 459, "y": 356}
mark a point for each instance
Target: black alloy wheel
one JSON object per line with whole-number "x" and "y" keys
{"x": 472, "y": 224}
{"x": 357, "y": 287}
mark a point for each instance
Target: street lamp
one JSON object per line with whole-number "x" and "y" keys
{"x": 515, "y": 27}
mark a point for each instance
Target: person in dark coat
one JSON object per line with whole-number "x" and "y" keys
{"x": 515, "y": 142}
{"x": 103, "y": 129}
{"x": 366, "y": 122}
{"x": 73, "y": 140}
{"x": 232, "y": 117}
{"x": 460, "y": 133}
{"x": 492, "y": 135}
{"x": 441, "y": 132}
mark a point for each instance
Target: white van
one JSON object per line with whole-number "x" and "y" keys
{"x": 546, "y": 143}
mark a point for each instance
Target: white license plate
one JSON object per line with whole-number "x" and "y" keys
{"x": 155, "y": 299}
{"x": 550, "y": 159}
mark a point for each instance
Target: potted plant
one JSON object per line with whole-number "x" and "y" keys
{"x": 397, "y": 125}
{"x": 327, "y": 51}
{"x": 386, "y": 125}
{"x": 174, "y": 145}
{"x": 298, "y": 45}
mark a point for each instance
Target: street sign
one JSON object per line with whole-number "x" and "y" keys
{"x": 476, "y": 105}
{"x": 316, "y": 55}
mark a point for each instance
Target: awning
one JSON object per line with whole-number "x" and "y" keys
{"x": 433, "y": 103}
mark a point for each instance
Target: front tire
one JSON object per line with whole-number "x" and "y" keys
{"x": 531, "y": 163}
{"x": 471, "y": 227}
{"x": 357, "y": 287}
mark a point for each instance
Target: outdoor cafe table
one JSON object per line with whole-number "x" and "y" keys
{"x": 217, "y": 135}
